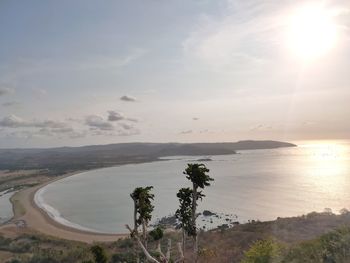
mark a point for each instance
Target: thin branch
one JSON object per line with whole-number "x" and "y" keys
{"x": 147, "y": 254}
{"x": 182, "y": 258}
{"x": 168, "y": 252}
{"x": 159, "y": 250}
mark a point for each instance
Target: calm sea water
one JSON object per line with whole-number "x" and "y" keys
{"x": 254, "y": 184}
{"x": 6, "y": 212}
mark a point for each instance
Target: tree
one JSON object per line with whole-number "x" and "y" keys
{"x": 99, "y": 254}
{"x": 197, "y": 174}
{"x": 142, "y": 198}
{"x": 157, "y": 235}
{"x": 184, "y": 214}
{"x": 143, "y": 209}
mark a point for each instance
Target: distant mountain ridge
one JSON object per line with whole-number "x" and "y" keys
{"x": 94, "y": 156}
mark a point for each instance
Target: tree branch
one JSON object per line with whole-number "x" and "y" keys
{"x": 159, "y": 250}
{"x": 168, "y": 252}
{"x": 182, "y": 258}
{"x": 147, "y": 254}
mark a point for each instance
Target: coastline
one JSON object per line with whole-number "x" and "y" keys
{"x": 27, "y": 212}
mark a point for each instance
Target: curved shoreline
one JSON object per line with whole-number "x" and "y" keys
{"x": 37, "y": 219}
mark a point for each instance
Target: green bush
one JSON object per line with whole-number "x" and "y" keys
{"x": 333, "y": 247}
{"x": 99, "y": 254}
{"x": 263, "y": 251}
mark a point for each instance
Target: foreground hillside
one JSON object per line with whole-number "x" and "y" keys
{"x": 316, "y": 237}
{"x": 61, "y": 160}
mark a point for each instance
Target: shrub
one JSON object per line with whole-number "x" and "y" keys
{"x": 263, "y": 251}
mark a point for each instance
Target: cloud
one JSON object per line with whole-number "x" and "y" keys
{"x": 19, "y": 127}
{"x": 10, "y": 103}
{"x": 40, "y": 92}
{"x": 245, "y": 36}
{"x": 126, "y": 126}
{"x": 132, "y": 119}
{"x": 261, "y": 127}
{"x": 97, "y": 122}
{"x": 105, "y": 63}
{"x": 186, "y": 132}
{"x": 128, "y": 132}
{"x": 115, "y": 116}
{"x": 127, "y": 98}
{"x": 38, "y": 67}
{"x": 13, "y": 121}
{"x": 5, "y": 91}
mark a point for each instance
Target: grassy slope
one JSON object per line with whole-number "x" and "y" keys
{"x": 300, "y": 237}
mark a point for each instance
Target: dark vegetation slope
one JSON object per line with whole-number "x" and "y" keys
{"x": 314, "y": 238}
{"x": 60, "y": 160}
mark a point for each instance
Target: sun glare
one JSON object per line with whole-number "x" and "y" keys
{"x": 312, "y": 31}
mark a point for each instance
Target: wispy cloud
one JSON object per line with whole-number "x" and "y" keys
{"x": 29, "y": 67}
{"x": 15, "y": 126}
{"x": 102, "y": 62}
{"x": 97, "y": 122}
{"x": 186, "y": 132}
{"x": 13, "y": 121}
{"x": 39, "y": 92}
{"x": 115, "y": 116}
{"x": 242, "y": 38}
{"x": 128, "y": 98}
{"x": 10, "y": 103}
{"x": 5, "y": 91}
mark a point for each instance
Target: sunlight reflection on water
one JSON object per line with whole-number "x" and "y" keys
{"x": 260, "y": 184}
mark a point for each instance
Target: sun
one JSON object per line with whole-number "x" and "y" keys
{"x": 312, "y": 31}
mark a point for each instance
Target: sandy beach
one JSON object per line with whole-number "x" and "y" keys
{"x": 29, "y": 217}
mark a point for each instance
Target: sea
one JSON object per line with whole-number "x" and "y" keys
{"x": 250, "y": 185}
{"x": 6, "y": 212}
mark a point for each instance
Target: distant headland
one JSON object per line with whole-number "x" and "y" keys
{"x": 63, "y": 159}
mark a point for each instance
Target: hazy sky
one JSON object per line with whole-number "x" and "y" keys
{"x": 96, "y": 72}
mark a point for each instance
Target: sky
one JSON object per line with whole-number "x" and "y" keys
{"x": 95, "y": 72}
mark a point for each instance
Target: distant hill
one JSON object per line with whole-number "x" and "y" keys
{"x": 88, "y": 157}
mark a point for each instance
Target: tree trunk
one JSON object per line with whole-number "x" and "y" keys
{"x": 168, "y": 251}
{"x": 194, "y": 210}
{"x": 183, "y": 243}
{"x": 144, "y": 250}
{"x": 135, "y": 250}
{"x": 159, "y": 250}
{"x": 144, "y": 233}
{"x": 182, "y": 257}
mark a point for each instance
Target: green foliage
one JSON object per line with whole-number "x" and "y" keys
{"x": 143, "y": 200}
{"x": 122, "y": 257}
{"x": 99, "y": 254}
{"x": 263, "y": 251}
{"x": 157, "y": 233}
{"x": 124, "y": 243}
{"x": 197, "y": 174}
{"x": 184, "y": 213}
{"x": 333, "y": 247}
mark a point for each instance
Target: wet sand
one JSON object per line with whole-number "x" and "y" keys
{"x": 29, "y": 216}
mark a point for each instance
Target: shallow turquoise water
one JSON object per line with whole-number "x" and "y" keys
{"x": 259, "y": 184}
